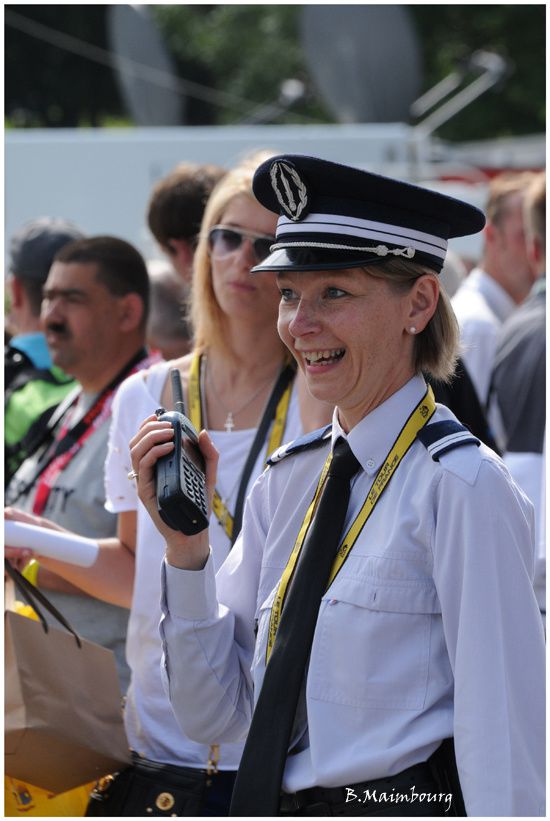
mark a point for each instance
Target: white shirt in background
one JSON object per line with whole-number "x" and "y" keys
{"x": 152, "y": 729}
{"x": 481, "y": 305}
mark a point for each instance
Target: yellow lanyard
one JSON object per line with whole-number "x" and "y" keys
{"x": 220, "y": 510}
{"x": 194, "y": 392}
{"x": 418, "y": 418}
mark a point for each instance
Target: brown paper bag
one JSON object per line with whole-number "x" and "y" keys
{"x": 63, "y": 717}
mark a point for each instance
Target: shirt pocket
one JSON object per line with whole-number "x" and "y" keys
{"x": 372, "y": 641}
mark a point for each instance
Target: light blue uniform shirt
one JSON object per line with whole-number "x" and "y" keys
{"x": 431, "y": 629}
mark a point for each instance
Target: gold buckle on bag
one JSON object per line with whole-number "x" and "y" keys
{"x": 213, "y": 761}
{"x": 101, "y": 786}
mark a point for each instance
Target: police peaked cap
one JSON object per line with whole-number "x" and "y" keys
{"x": 336, "y": 216}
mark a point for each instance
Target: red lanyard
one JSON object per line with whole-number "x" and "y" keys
{"x": 47, "y": 479}
{"x": 62, "y": 455}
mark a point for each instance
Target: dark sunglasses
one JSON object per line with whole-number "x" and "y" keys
{"x": 223, "y": 241}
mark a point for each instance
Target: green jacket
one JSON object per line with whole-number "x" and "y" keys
{"x": 30, "y": 399}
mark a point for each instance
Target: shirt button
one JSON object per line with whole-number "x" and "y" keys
{"x": 370, "y": 463}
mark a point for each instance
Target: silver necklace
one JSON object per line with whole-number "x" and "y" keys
{"x": 229, "y": 423}
{"x": 226, "y": 497}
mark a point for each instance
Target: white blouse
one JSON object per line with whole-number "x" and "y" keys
{"x": 150, "y": 724}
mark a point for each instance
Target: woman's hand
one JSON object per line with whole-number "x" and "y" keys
{"x": 154, "y": 440}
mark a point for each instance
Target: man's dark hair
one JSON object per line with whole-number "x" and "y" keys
{"x": 33, "y": 292}
{"x": 120, "y": 266}
{"x": 177, "y": 202}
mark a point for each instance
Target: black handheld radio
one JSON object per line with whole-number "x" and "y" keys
{"x": 180, "y": 479}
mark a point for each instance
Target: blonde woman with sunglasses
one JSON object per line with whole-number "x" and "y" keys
{"x": 237, "y": 378}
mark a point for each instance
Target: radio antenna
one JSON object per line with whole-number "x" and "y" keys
{"x": 177, "y": 391}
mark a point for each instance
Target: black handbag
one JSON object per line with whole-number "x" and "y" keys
{"x": 148, "y": 788}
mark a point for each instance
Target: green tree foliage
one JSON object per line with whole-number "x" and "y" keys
{"x": 246, "y": 53}
{"x": 449, "y": 34}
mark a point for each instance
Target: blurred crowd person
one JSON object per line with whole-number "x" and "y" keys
{"x": 33, "y": 386}
{"x": 492, "y": 291}
{"x": 459, "y": 393}
{"x": 94, "y": 313}
{"x": 518, "y": 385}
{"x": 240, "y": 385}
{"x": 453, "y": 273}
{"x": 174, "y": 215}
{"x": 175, "y": 210}
{"x": 168, "y": 329}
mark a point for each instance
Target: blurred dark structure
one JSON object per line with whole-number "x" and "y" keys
{"x": 227, "y": 64}
{"x": 50, "y": 80}
{"x": 369, "y": 69}
{"x": 144, "y": 69}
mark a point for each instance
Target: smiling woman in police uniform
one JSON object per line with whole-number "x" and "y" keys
{"x": 376, "y": 616}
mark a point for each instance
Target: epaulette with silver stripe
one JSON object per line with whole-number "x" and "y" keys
{"x": 309, "y": 440}
{"x": 440, "y": 437}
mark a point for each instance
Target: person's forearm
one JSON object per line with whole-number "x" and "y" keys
{"x": 110, "y": 578}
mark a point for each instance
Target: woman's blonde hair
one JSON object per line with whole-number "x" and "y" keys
{"x": 436, "y": 348}
{"x": 206, "y": 315}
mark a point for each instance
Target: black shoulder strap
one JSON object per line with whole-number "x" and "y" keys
{"x": 49, "y": 420}
{"x": 309, "y": 440}
{"x": 287, "y": 374}
{"x": 57, "y": 448}
{"x": 440, "y": 437}
{"x": 17, "y": 452}
{"x": 42, "y": 437}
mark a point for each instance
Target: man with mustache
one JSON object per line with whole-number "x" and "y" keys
{"x": 94, "y": 314}
{"x": 33, "y": 387}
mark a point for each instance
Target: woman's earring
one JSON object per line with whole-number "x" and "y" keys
{"x": 412, "y": 329}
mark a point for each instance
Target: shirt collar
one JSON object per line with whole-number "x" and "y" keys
{"x": 498, "y": 300}
{"x": 372, "y": 438}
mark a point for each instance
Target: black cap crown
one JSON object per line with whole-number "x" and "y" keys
{"x": 337, "y": 216}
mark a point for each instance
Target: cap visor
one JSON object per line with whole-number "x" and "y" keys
{"x": 312, "y": 259}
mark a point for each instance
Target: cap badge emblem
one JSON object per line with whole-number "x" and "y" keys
{"x": 290, "y": 190}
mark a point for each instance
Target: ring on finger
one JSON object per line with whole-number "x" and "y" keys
{"x": 132, "y": 475}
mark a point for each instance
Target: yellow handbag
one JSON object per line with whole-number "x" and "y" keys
{"x": 25, "y": 799}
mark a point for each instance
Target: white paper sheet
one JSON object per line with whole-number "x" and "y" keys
{"x": 66, "y": 547}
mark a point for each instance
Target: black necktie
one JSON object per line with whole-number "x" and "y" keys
{"x": 258, "y": 784}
